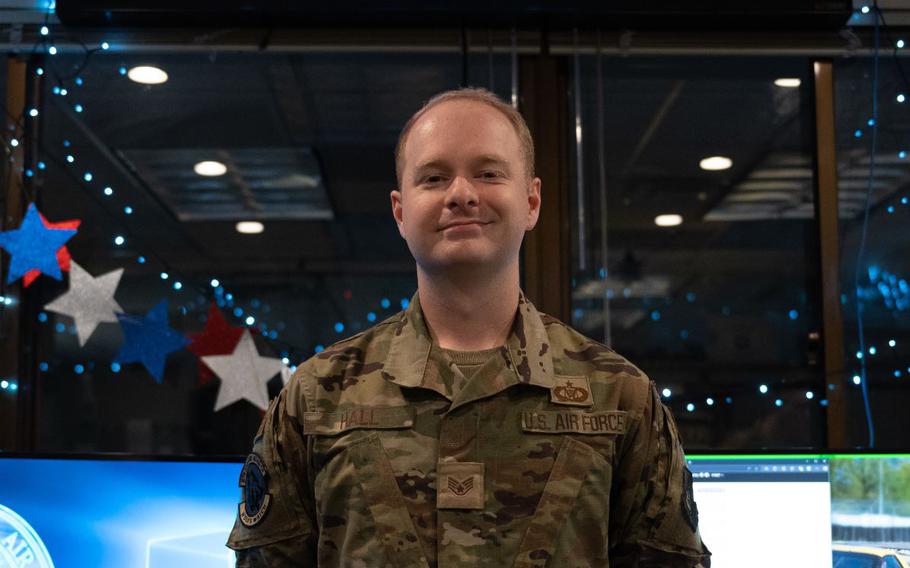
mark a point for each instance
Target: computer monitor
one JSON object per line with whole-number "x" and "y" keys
{"x": 116, "y": 512}
{"x": 806, "y": 510}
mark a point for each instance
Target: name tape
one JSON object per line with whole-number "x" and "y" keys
{"x": 369, "y": 417}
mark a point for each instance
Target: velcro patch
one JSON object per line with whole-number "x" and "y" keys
{"x": 369, "y": 417}
{"x": 459, "y": 485}
{"x": 254, "y": 479}
{"x": 575, "y": 422}
{"x": 574, "y": 391}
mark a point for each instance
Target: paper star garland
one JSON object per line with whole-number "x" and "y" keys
{"x": 218, "y": 338}
{"x": 33, "y": 246}
{"x": 63, "y": 254}
{"x": 148, "y": 340}
{"x": 89, "y": 301}
{"x": 243, "y": 374}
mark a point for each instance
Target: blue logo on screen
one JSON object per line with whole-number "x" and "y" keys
{"x": 20, "y": 546}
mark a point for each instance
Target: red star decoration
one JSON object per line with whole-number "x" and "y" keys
{"x": 63, "y": 255}
{"x": 218, "y": 338}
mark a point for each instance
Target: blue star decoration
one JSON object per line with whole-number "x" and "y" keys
{"x": 34, "y": 247}
{"x": 148, "y": 340}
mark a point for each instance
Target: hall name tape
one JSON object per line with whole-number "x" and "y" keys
{"x": 569, "y": 422}
{"x": 370, "y": 417}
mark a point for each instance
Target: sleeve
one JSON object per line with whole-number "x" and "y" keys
{"x": 653, "y": 516}
{"x": 275, "y": 523}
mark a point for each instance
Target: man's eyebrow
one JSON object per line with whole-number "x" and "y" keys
{"x": 432, "y": 164}
{"x": 493, "y": 159}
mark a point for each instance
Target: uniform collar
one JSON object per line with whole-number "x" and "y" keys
{"x": 527, "y": 347}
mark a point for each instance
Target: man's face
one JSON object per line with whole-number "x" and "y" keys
{"x": 464, "y": 200}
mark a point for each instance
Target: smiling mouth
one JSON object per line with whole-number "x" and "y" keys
{"x": 471, "y": 224}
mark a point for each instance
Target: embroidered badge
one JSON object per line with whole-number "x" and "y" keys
{"x": 575, "y": 391}
{"x": 689, "y": 507}
{"x": 460, "y": 485}
{"x": 256, "y": 498}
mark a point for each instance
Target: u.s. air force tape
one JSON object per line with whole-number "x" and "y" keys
{"x": 20, "y": 545}
{"x": 575, "y": 422}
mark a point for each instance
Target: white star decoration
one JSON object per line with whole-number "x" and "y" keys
{"x": 244, "y": 374}
{"x": 286, "y": 374}
{"x": 89, "y": 301}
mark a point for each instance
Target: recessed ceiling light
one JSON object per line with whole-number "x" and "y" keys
{"x": 147, "y": 75}
{"x": 788, "y": 82}
{"x": 250, "y": 227}
{"x": 715, "y": 163}
{"x": 210, "y": 168}
{"x": 670, "y": 220}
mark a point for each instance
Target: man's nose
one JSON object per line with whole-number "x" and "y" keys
{"x": 461, "y": 193}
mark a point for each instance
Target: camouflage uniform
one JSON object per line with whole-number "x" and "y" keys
{"x": 556, "y": 452}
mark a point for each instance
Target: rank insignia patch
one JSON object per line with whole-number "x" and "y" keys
{"x": 462, "y": 487}
{"x": 256, "y": 498}
{"x": 575, "y": 391}
{"x": 687, "y": 500}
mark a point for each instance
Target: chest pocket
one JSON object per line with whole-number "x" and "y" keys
{"x": 363, "y": 516}
{"x": 570, "y": 525}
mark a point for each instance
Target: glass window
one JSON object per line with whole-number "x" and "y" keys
{"x": 300, "y": 145}
{"x": 879, "y": 278}
{"x": 695, "y": 239}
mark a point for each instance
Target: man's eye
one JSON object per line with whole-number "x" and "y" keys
{"x": 432, "y": 179}
{"x": 491, "y": 175}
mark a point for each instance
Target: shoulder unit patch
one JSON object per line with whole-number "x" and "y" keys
{"x": 256, "y": 497}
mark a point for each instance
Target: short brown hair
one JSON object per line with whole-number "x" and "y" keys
{"x": 481, "y": 96}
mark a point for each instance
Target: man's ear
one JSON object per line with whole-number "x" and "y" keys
{"x": 533, "y": 203}
{"x": 397, "y": 213}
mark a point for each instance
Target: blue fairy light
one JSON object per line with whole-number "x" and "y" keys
{"x": 141, "y": 260}
{"x": 115, "y": 367}
{"x": 43, "y": 366}
{"x": 778, "y": 403}
{"x": 33, "y": 112}
{"x": 793, "y": 314}
{"x": 857, "y": 379}
{"x": 42, "y": 317}
{"x": 78, "y": 108}
{"x": 667, "y": 393}
{"x": 385, "y": 303}
{"x": 810, "y": 395}
{"x": 128, "y": 210}
{"x": 119, "y": 240}
{"x": 215, "y": 283}
{"x": 238, "y": 311}
{"x": 164, "y": 275}
{"x": 763, "y": 389}
{"x": 709, "y": 401}
{"x": 690, "y": 407}
{"x": 87, "y": 176}
{"x": 405, "y": 303}
{"x": 902, "y": 154}
{"x": 39, "y": 71}
{"x": 250, "y": 320}
{"x": 79, "y": 368}
{"x": 319, "y": 349}
{"x": 105, "y": 45}
{"x": 178, "y": 285}
{"x": 42, "y": 165}
{"x": 79, "y": 81}
{"x": 339, "y": 327}
{"x": 371, "y": 316}
{"x": 122, "y": 70}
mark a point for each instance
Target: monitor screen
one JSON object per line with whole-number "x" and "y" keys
{"x": 841, "y": 510}
{"x": 116, "y": 513}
